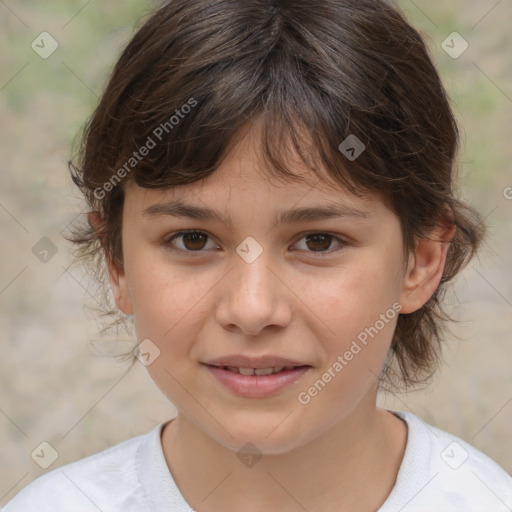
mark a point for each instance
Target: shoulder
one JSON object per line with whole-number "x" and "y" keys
{"x": 107, "y": 480}
{"x": 440, "y": 471}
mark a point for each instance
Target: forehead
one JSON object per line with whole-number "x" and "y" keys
{"x": 243, "y": 180}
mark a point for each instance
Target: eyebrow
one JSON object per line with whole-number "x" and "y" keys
{"x": 310, "y": 213}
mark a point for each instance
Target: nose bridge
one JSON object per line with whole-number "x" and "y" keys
{"x": 252, "y": 273}
{"x": 253, "y": 279}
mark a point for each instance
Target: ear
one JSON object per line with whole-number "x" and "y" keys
{"x": 116, "y": 275}
{"x": 425, "y": 267}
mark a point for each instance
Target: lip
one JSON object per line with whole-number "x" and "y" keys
{"x": 256, "y": 386}
{"x": 241, "y": 361}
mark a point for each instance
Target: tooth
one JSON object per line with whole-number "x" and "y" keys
{"x": 233, "y": 369}
{"x": 277, "y": 369}
{"x": 246, "y": 371}
{"x": 264, "y": 371}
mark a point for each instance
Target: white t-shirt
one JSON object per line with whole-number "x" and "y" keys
{"x": 439, "y": 472}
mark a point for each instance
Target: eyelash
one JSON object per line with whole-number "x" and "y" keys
{"x": 198, "y": 253}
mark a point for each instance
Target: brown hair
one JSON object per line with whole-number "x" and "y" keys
{"x": 197, "y": 71}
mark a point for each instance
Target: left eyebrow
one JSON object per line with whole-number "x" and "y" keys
{"x": 180, "y": 209}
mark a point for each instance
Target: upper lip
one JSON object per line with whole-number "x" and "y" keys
{"x": 241, "y": 361}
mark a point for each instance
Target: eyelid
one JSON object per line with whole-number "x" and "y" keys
{"x": 341, "y": 241}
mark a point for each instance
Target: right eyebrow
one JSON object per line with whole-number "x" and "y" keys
{"x": 180, "y": 209}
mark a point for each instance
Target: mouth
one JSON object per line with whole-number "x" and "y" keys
{"x": 256, "y": 378}
{"x": 258, "y": 371}
{"x": 263, "y": 362}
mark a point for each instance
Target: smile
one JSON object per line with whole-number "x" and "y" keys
{"x": 258, "y": 371}
{"x": 256, "y": 382}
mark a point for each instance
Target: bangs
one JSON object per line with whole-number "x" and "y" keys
{"x": 284, "y": 146}
{"x": 291, "y": 122}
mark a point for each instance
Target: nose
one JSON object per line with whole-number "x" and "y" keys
{"x": 254, "y": 297}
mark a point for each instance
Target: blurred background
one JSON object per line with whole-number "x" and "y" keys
{"x": 55, "y": 60}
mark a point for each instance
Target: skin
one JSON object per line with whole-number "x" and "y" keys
{"x": 339, "y": 452}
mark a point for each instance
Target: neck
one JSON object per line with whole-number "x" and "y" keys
{"x": 352, "y": 466}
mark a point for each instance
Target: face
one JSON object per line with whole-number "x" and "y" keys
{"x": 317, "y": 294}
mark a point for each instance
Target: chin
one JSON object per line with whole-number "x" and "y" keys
{"x": 270, "y": 436}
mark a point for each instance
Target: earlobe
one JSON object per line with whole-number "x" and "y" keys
{"x": 116, "y": 275}
{"x": 117, "y": 279}
{"x": 425, "y": 268}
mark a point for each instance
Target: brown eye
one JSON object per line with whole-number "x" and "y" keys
{"x": 320, "y": 243}
{"x": 194, "y": 241}
{"x": 189, "y": 241}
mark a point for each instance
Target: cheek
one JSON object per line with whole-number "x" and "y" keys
{"x": 354, "y": 355}
{"x": 352, "y": 298}
{"x": 169, "y": 303}
{"x": 360, "y": 310}
{"x": 170, "y": 309}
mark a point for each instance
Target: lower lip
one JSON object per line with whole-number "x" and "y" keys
{"x": 256, "y": 386}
